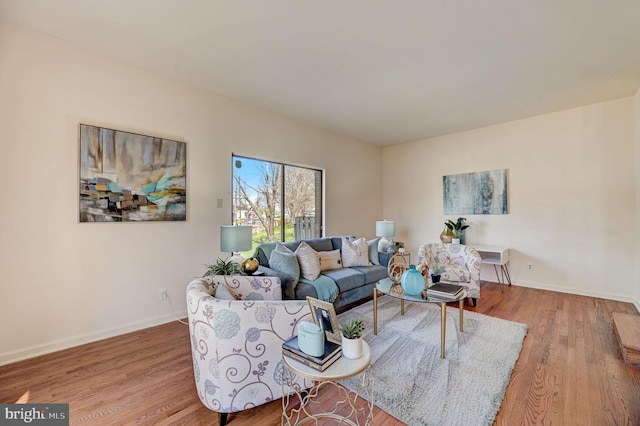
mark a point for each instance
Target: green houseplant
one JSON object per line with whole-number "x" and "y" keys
{"x": 436, "y": 271}
{"x": 457, "y": 227}
{"x": 223, "y": 267}
{"x": 352, "y": 329}
{"x": 352, "y": 338}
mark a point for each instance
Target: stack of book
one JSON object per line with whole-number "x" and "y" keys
{"x": 444, "y": 291}
{"x": 332, "y": 351}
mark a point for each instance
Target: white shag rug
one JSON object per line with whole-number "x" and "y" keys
{"x": 415, "y": 385}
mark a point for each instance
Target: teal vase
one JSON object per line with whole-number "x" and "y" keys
{"x": 412, "y": 281}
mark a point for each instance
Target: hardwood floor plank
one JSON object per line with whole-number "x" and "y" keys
{"x": 570, "y": 371}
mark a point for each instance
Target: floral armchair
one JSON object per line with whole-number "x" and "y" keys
{"x": 237, "y": 344}
{"x": 461, "y": 265}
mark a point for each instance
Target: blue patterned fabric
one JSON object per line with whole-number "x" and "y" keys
{"x": 237, "y": 345}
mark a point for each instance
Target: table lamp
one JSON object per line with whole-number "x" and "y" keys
{"x": 235, "y": 239}
{"x": 385, "y": 228}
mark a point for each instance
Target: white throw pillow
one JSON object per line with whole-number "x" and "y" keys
{"x": 309, "y": 261}
{"x": 355, "y": 253}
{"x": 330, "y": 260}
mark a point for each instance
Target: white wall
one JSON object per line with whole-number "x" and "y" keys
{"x": 63, "y": 283}
{"x": 571, "y": 187}
{"x": 637, "y": 181}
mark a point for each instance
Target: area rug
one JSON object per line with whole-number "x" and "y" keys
{"x": 415, "y": 385}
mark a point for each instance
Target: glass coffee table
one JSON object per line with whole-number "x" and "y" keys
{"x": 385, "y": 286}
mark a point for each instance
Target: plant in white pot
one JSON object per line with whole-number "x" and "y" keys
{"x": 352, "y": 338}
{"x": 457, "y": 228}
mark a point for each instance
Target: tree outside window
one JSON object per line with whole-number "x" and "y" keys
{"x": 281, "y": 202}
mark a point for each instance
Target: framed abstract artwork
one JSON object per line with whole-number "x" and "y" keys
{"x": 475, "y": 193}
{"x": 128, "y": 177}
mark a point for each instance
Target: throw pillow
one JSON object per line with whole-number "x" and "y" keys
{"x": 223, "y": 293}
{"x": 330, "y": 260}
{"x": 355, "y": 253}
{"x": 373, "y": 251}
{"x": 309, "y": 261}
{"x": 284, "y": 260}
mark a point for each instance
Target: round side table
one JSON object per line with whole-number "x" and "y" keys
{"x": 346, "y": 408}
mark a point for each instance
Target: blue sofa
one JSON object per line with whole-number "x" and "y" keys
{"x": 355, "y": 284}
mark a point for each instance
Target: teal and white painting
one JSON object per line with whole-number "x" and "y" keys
{"x": 127, "y": 177}
{"x": 476, "y": 193}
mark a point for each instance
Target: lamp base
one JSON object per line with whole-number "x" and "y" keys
{"x": 236, "y": 258}
{"x": 383, "y": 245}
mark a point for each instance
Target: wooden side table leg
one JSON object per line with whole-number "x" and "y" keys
{"x": 375, "y": 311}
{"x": 443, "y": 327}
{"x": 402, "y": 307}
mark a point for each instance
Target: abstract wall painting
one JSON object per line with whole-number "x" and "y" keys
{"x": 127, "y": 177}
{"x": 476, "y": 193}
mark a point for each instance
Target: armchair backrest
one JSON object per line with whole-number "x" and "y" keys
{"x": 246, "y": 287}
{"x": 237, "y": 345}
{"x": 452, "y": 254}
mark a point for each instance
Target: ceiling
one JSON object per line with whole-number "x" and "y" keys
{"x": 381, "y": 71}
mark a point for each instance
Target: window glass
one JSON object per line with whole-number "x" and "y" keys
{"x": 281, "y": 202}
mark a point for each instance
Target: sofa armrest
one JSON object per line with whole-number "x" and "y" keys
{"x": 286, "y": 282}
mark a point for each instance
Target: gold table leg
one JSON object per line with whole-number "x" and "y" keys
{"x": 461, "y": 309}
{"x": 402, "y": 306}
{"x": 443, "y": 327}
{"x": 375, "y": 311}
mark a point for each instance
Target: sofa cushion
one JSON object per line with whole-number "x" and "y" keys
{"x": 324, "y": 288}
{"x": 330, "y": 260}
{"x": 309, "y": 261}
{"x": 346, "y": 278}
{"x": 320, "y": 244}
{"x": 284, "y": 260}
{"x": 355, "y": 253}
{"x": 372, "y": 274}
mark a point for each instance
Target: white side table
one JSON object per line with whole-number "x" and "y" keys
{"x": 346, "y": 409}
{"x": 496, "y": 256}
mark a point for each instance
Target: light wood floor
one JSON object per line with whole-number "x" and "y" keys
{"x": 570, "y": 371}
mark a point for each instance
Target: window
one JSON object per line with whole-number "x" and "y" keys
{"x": 281, "y": 202}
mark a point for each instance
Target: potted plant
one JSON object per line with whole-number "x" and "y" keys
{"x": 223, "y": 267}
{"x": 457, "y": 228}
{"x": 436, "y": 271}
{"x": 352, "y": 338}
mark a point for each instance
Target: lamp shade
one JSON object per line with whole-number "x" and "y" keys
{"x": 235, "y": 238}
{"x": 385, "y": 228}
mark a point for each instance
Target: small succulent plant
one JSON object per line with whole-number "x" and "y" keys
{"x": 352, "y": 329}
{"x": 437, "y": 269}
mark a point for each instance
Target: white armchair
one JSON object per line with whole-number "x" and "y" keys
{"x": 461, "y": 265}
{"x": 237, "y": 344}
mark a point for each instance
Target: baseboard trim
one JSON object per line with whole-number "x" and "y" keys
{"x": 580, "y": 292}
{"x": 46, "y": 348}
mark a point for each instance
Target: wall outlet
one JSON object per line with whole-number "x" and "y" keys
{"x": 162, "y": 294}
{"x": 529, "y": 266}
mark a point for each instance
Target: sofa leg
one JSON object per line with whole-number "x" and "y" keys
{"x": 222, "y": 418}
{"x": 475, "y": 301}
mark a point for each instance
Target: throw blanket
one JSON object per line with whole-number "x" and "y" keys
{"x": 325, "y": 287}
